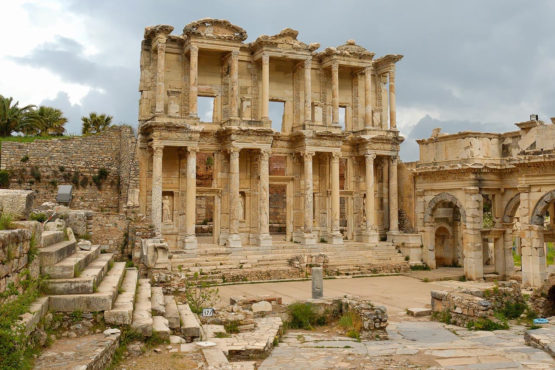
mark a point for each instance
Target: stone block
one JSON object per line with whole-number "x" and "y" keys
{"x": 18, "y": 203}
{"x": 417, "y": 312}
{"x": 262, "y": 306}
{"x": 317, "y": 282}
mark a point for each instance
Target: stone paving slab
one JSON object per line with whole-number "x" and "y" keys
{"x": 88, "y": 352}
{"x": 543, "y": 338}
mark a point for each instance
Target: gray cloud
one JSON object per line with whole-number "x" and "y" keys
{"x": 466, "y": 61}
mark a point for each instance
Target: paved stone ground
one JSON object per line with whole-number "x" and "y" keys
{"x": 412, "y": 344}
{"x": 543, "y": 338}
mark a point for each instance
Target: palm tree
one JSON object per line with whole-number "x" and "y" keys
{"x": 95, "y": 123}
{"x": 51, "y": 121}
{"x": 13, "y": 118}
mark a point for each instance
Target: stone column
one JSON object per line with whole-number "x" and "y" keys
{"x": 307, "y": 90}
{"x": 371, "y": 234}
{"x": 317, "y": 282}
{"x": 234, "y": 101}
{"x": 392, "y": 109}
{"x": 508, "y": 249}
{"x": 234, "y": 239}
{"x": 472, "y": 237}
{"x": 160, "y": 76}
{"x": 156, "y": 211}
{"x": 191, "y": 199}
{"x": 393, "y": 197}
{"x": 368, "y": 97}
{"x": 499, "y": 255}
{"x": 264, "y": 238}
{"x": 385, "y": 101}
{"x": 336, "y": 237}
{"x": 193, "y": 80}
{"x": 335, "y": 92}
{"x": 265, "y": 85}
{"x": 308, "y": 237}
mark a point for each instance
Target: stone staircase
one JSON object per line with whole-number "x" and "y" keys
{"x": 78, "y": 280}
{"x": 216, "y": 264}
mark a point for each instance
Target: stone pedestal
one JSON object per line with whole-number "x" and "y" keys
{"x": 317, "y": 282}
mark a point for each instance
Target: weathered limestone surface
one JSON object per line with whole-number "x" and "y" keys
{"x": 190, "y": 326}
{"x": 172, "y": 313}
{"x": 122, "y": 311}
{"x": 142, "y": 315}
{"x": 157, "y": 301}
{"x": 17, "y": 203}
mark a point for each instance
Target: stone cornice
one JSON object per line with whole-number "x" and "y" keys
{"x": 219, "y": 29}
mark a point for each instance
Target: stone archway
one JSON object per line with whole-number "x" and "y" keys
{"x": 537, "y": 216}
{"x": 447, "y": 198}
{"x": 511, "y": 208}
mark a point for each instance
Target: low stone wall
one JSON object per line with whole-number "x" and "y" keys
{"x": 17, "y": 203}
{"x": 42, "y": 165}
{"x": 14, "y": 260}
{"x": 466, "y": 305}
{"x": 110, "y": 230}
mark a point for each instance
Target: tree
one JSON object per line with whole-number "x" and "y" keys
{"x": 95, "y": 123}
{"x": 49, "y": 121}
{"x": 13, "y": 118}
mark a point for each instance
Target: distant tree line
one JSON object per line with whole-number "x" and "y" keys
{"x": 31, "y": 120}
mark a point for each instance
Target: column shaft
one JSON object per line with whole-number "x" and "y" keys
{"x": 308, "y": 190}
{"x": 335, "y": 92}
{"x": 160, "y": 76}
{"x": 191, "y": 199}
{"x": 265, "y": 240}
{"x": 234, "y": 104}
{"x": 156, "y": 212}
{"x": 385, "y": 101}
{"x": 234, "y": 239}
{"x": 307, "y": 90}
{"x": 370, "y": 211}
{"x": 336, "y": 237}
{"x": 193, "y": 80}
{"x": 393, "y": 200}
{"x": 392, "y": 109}
{"x": 368, "y": 97}
{"x": 265, "y": 85}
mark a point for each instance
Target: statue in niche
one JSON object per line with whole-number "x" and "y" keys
{"x": 241, "y": 210}
{"x": 364, "y": 209}
{"x": 167, "y": 208}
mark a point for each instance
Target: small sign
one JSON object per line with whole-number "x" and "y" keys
{"x": 207, "y": 312}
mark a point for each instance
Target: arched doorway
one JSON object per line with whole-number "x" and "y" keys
{"x": 444, "y": 219}
{"x": 445, "y": 247}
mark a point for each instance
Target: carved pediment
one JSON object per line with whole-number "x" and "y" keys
{"x": 349, "y": 49}
{"x": 161, "y": 29}
{"x": 287, "y": 38}
{"x": 215, "y": 29}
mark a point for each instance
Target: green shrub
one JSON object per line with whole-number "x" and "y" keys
{"x": 513, "y": 310}
{"x": 129, "y": 264}
{"x": 6, "y": 221}
{"x": 38, "y": 216}
{"x": 442, "y": 316}
{"x": 84, "y": 182}
{"x": 231, "y": 327}
{"x": 35, "y": 173}
{"x": 487, "y": 324}
{"x": 4, "y": 179}
{"x": 201, "y": 297}
{"x": 75, "y": 179}
{"x": 33, "y": 248}
{"x": 303, "y": 315}
{"x": 25, "y": 158}
{"x": 422, "y": 267}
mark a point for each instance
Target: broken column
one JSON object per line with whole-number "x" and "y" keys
{"x": 317, "y": 282}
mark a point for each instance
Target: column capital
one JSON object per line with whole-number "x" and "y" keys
{"x": 308, "y": 62}
{"x": 157, "y": 149}
{"x": 265, "y": 58}
{"x": 265, "y": 154}
{"x": 368, "y": 70}
{"x": 335, "y": 65}
{"x": 193, "y": 49}
{"x": 307, "y": 155}
{"x": 370, "y": 156}
{"x": 234, "y": 52}
{"x": 192, "y": 149}
{"x": 335, "y": 155}
{"x": 394, "y": 159}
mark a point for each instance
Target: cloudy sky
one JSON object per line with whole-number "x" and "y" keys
{"x": 468, "y": 65}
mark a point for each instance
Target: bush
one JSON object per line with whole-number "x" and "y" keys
{"x": 443, "y": 316}
{"x": 200, "y": 297}
{"x": 513, "y": 310}
{"x": 486, "y": 324}
{"x": 422, "y": 267}
{"x": 4, "y": 179}
{"x": 84, "y": 182}
{"x": 303, "y": 315}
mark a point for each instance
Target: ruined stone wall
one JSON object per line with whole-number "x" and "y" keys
{"x": 110, "y": 230}
{"x": 42, "y": 165}
{"x": 14, "y": 261}
{"x": 406, "y": 191}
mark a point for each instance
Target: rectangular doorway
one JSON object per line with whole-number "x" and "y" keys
{"x": 278, "y": 209}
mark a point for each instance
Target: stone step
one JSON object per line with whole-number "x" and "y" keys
{"x": 86, "y": 282}
{"x": 73, "y": 265}
{"x": 160, "y": 327}
{"x": 172, "y": 314}
{"x": 122, "y": 310}
{"x": 157, "y": 301}
{"x": 142, "y": 315}
{"x": 31, "y": 319}
{"x": 49, "y": 238}
{"x": 190, "y": 326}
{"x": 215, "y": 358}
{"x": 54, "y": 253}
{"x": 102, "y": 300}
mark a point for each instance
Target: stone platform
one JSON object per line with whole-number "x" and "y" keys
{"x": 286, "y": 260}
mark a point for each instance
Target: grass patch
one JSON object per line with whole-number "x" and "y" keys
{"x": 443, "y": 316}
{"x": 231, "y": 327}
{"x": 513, "y": 310}
{"x": 487, "y": 325}
{"x": 303, "y": 315}
{"x": 550, "y": 256}
{"x": 38, "y": 216}
{"x": 352, "y": 323}
{"x": 422, "y": 267}
{"x": 222, "y": 335}
{"x": 6, "y": 221}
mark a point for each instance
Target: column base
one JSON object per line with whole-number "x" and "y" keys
{"x": 234, "y": 241}
{"x": 264, "y": 240}
{"x": 391, "y": 235}
{"x": 370, "y": 237}
{"x": 190, "y": 242}
{"x": 335, "y": 238}
{"x": 308, "y": 239}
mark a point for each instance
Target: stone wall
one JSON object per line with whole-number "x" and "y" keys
{"x": 14, "y": 260}
{"x": 109, "y": 230}
{"x": 42, "y": 165}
